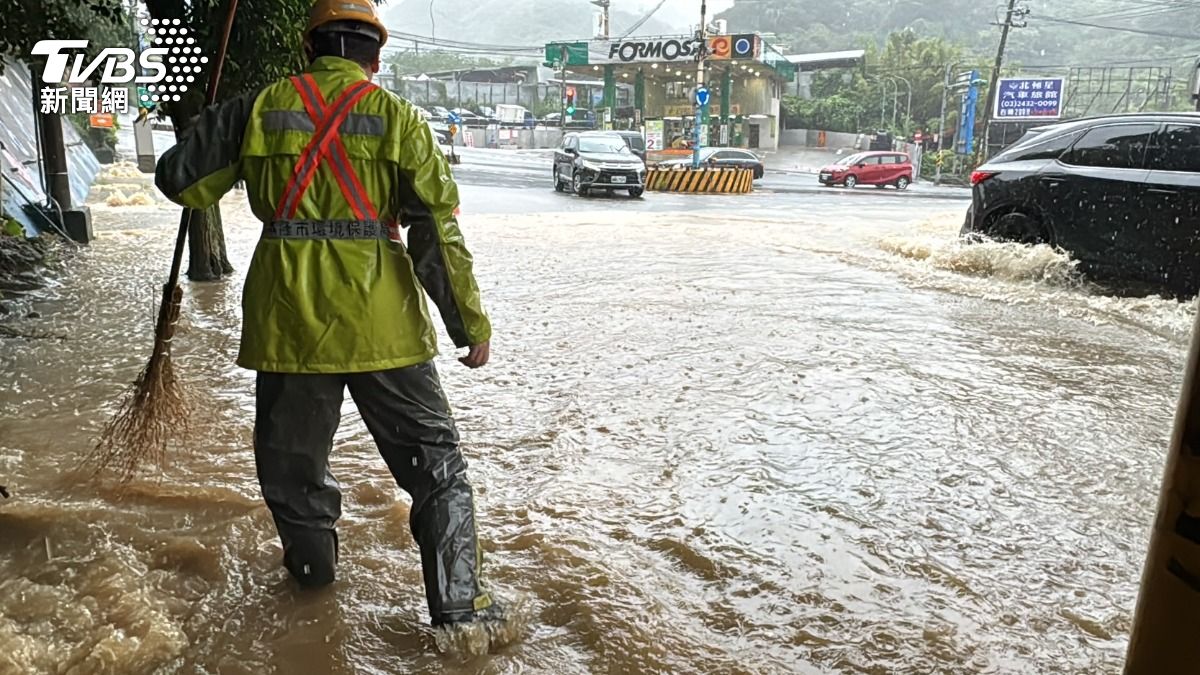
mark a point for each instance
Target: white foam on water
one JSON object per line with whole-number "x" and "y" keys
{"x": 472, "y": 640}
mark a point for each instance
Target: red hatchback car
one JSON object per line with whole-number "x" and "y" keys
{"x": 869, "y": 168}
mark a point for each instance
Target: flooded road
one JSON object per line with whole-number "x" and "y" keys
{"x": 717, "y": 435}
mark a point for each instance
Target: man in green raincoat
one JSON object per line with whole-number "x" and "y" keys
{"x": 334, "y": 167}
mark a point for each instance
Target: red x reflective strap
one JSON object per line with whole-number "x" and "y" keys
{"x": 326, "y": 120}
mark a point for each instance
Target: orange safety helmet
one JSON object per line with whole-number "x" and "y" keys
{"x": 363, "y": 11}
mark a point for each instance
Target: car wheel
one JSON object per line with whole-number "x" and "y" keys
{"x": 1020, "y": 228}
{"x": 635, "y": 192}
{"x": 851, "y": 181}
{"x": 577, "y": 185}
{"x": 902, "y": 183}
{"x": 558, "y": 184}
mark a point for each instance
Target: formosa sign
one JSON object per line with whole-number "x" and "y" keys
{"x": 643, "y": 51}
{"x": 652, "y": 50}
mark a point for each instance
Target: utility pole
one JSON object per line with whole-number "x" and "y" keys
{"x": 703, "y": 35}
{"x": 563, "y": 90}
{"x": 993, "y": 88}
{"x": 604, "y": 25}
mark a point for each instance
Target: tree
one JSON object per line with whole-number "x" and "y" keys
{"x": 103, "y": 22}
{"x": 265, "y": 45}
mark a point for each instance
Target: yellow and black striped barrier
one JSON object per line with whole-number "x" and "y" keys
{"x": 708, "y": 180}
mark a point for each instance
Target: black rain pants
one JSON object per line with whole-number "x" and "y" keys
{"x": 408, "y": 416}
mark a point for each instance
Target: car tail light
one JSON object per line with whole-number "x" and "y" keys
{"x": 978, "y": 177}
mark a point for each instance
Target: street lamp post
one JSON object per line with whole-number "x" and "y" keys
{"x": 908, "y": 106}
{"x": 883, "y": 97}
{"x": 937, "y": 177}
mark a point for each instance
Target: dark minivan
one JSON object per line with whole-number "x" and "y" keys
{"x": 1121, "y": 194}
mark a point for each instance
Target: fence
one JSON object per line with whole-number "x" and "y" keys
{"x": 537, "y": 97}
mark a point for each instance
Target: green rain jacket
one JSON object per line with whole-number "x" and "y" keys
{"x": 322, "y": 294}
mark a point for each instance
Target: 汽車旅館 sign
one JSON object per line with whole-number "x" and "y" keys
{"x": 1029, "y": 97}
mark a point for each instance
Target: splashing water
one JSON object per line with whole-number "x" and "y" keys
{"x": 471, "y": 640}
{"x": 1002, "y": 260}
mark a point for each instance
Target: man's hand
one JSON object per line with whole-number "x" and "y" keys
{"x": 478, "y": 356}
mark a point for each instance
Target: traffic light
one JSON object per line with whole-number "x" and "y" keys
{"x": 570, "y": 100}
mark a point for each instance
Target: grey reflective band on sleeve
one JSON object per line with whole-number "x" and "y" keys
{"x": 298, "y": 120}
{"x": 330, "y": 229}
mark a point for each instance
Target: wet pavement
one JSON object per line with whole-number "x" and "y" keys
{"x": 778, "y": 433}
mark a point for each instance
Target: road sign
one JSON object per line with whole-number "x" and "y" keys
{"x": 1022, "y": 98}
{"x": 702, "y": 96}
{"x": 454, "y": 118}
{"x": 101, "y": 121}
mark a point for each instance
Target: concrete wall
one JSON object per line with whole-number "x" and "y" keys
{"x": 811, "y": 138}
{"x": 19, "y": 156}
{"x": 451, "y": 94}
{"x": 521, "y": 139}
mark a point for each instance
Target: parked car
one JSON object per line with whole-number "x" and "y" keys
{"x": 1120, "y": 193}
{"x": 469, "y": 118}
{"x": 440, "y": 113}
{"x": 881, "y": 140}
{"x": 597, "y": 159}
{"x": 869, "y": 168}
{"x": 635, "y": 141}
{"x": 723, "y": 157}
{"x": 441, "y": 131}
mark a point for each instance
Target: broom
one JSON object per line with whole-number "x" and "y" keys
{"x": 156, "y": 410}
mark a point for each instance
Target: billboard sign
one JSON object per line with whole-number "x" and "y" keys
{"x": 654, "y": 135}
{"x": 1023, "y": 98}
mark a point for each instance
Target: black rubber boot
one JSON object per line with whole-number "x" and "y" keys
{"x": 312, "y": 558}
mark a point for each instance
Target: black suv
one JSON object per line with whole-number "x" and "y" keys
{"x": 1120, "y": 193}
{"x": 597, "y": 159}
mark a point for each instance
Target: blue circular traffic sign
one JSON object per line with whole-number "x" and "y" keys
{"x": 702, "y": 96}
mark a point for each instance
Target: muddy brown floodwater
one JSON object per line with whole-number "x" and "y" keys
{"x": 737, "y": 441}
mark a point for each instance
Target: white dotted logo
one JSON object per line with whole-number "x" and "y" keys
{"x": 169, "y": 34}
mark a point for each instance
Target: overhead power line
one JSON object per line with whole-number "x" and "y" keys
{"x": 644, "y": 19}
{"x": 1121, "y": 29}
